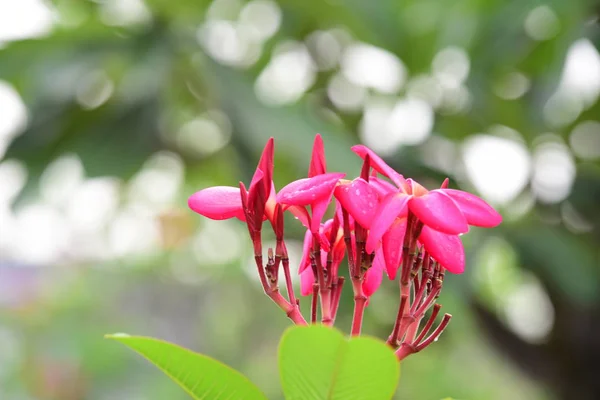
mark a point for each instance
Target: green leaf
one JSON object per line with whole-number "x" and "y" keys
{"x": 317, "y": 362}
{"x": 200, "y": 376}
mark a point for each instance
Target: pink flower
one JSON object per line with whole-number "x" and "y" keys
{"x": 446, "y": 210}
{"x": 224, "y": 202}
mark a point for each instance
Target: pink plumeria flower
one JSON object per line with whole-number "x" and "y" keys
{"x": 446, "y": 210}
{"x": 224, "y": 202}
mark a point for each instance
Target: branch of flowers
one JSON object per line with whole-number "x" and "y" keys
{"x": 359, "y": 296}
{"x": 392, "y": 339}
{"x": 292, "y": 311}
{"x": 429, "y": 324}
{"x": 360, "y": 300}
{"x": 410, "y": 348}
{"x": 324, "y": 291}
{"x": 313, "y": 304}
{"x": 337, "y": 294}
{"x": 436, "y": 334}
{"x": 285, "y": 262}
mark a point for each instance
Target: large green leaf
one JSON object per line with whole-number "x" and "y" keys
{"x": 317, "y": 362}
{"x": 200, "y": 376}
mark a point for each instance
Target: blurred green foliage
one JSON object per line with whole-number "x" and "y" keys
{"x": 152, "y": 95}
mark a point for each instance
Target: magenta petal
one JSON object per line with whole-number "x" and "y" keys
{"x": 306, "y": 249}
{"x": 379, "y": 165}
{"x": 307, "y": 279}
{"x": 374, "y": 275}
{"x": 392, "y": 243}
{"x": 300, "y": 213}
{"x": 318, "y": 164}
{"x": 439, "y": 212}
{"x": 446, "y": 249}
{"x": 318, "y": 210}
{"x": 309, "y": 190}
{"x": 218, "y": 202}
{"x": 382, "y": 187}
{"x": 359, "y": 199}
{"x": 389, "y": 209}
{"x": 476, "y": 210}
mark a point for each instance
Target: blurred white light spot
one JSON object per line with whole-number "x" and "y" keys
{"x": 498, "y": 167}
{"x": 585, "y": 140}
{"x": 264, "y": 16}
{"x": 132, "y": 233}
{"x": 13, "y": 176}
{"x": 373, "y": 67}
{"x": 289, "y": 74}
{"x": 439, "y": 153}
{"x": 326, "y": 49}
{"x": 562, "y": 108}
{"x": 373, "y": 126}
{"x": 60, "y": 179}
{"x": 554, "y": 172}
{"x": 41, "y": 235}
{"x": 456, "y": 100}
{"x": 451, "y": 67}
{"x": 206, "y": 134}
{"x": 25, "y": 19}
{"x": 410, "y": 122}
{"x": 158, "y": 182}
{"x": 13, "y": 115}
{"x": 93, "y": 203}
{"x": 386, "y": 126}
{"x": 512, "y": 86}
{"x": 426, "y": 88}
{"x": 124, "y": 12}
{"x": 579, "y": 85}
{"x": 218, "y": 242}
{"x": 542, "y": 23}
{"x": 529, "y": 312}
{"x": 94, "y": 90}
{"x": 229, "y": 43}
{"x": 344, "y": 94}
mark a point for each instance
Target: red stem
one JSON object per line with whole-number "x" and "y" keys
{"x": 436, "y": 334}
{"x": 360, "y": 301}
{"x": 313, "y": 305}
{"x": 429, "y": 324}
{"x": 392, "y": 339}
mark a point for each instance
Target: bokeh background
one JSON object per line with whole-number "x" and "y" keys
{"x": 112, "y": 112}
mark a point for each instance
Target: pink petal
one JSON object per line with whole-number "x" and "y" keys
{"x": 374, "y": 275}
{"x": 446, "y": 249}
{"x": 307, "y": 279}
{"x": 265, "y": 164}
{"x": 306, "y": 249}
{"x": 318, "y": 211}
{"x": 379, "y": 165}
{"x": 382, "y": 187}
{"x": 309, "y": 190}
{"x": 300, "y": 213}
{"x": 218, "y": 202}
{"x": 392, "y": 243}
{"x": 439, "y": 212}
{"x": 318, "y": 164}
{"x": 476, "y": 211}
{"x": 390, "y": 208}
{"x": 359, "y": 199}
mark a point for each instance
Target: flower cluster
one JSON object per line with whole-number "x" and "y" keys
{"x": 384, "y": 223}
